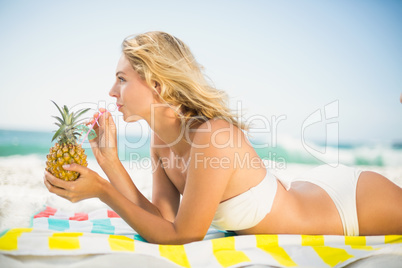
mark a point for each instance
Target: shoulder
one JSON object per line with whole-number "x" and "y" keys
{"x": 220, "y": 133}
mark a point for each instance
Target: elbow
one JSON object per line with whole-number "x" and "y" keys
{"x": 177, "y": 238}
{"x": 176, "y": 235}
{"x": 186, "y": 240}
{"x": 186, "y": 236}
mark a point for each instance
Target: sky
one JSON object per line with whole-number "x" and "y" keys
{"x": 297, "y": 68}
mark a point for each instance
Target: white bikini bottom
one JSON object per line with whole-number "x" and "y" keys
{"x": 340, "y": 183}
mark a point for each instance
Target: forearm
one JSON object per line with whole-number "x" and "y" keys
{"x": 122, "y": 182}
{"x": 151, "y": 227}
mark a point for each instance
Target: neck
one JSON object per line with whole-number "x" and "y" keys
{"x": 167, "y": 126}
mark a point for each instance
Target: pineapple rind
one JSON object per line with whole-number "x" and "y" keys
{"x": 60, "y": 155}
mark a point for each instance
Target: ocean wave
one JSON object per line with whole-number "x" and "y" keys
{"x": 288, "y": 150}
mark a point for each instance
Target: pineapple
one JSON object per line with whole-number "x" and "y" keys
{"x": 66, "y": 150}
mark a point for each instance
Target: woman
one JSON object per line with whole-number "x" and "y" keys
{"x": 196, "y": 144}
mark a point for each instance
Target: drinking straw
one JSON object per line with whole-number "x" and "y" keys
{"x": 91, "y": 127}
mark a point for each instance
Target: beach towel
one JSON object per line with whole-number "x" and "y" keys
{"x": 54, "y": 232}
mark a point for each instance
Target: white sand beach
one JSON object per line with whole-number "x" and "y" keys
{"x": 22, "y": 192}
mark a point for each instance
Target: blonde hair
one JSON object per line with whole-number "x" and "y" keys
{"x": 162, "y": 58}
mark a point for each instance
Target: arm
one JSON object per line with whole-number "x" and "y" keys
{"x": 90, "y": 185}
{"x": 122, "y": 183}
{"x": 104, "y": 147}
{"x": 165, "y": 195}
{"x": 205, "y": 185}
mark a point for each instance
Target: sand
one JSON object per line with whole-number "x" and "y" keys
{"x": 22, "y": 192}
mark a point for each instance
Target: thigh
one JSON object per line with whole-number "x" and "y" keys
{"x": 379, "y": 205}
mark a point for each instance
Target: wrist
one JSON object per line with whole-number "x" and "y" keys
{"x": 104, "y": 157}
{"x": 104, "y": 190}
{"x": 112, "y": 167}
{"x": 108, "y": 163}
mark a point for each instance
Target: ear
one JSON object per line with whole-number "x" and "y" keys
{"x": 157, "y": 86}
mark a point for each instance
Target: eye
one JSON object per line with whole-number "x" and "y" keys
{"x": 121, "y": 79}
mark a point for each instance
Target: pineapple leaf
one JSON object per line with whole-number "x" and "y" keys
{"x": 81, "y": 112}
{"x": 58, "y": 108}
{"x": 58, "y": 132}
{"x": 79, "y": 121}
{"x": 58, "y": 119}
{"x": 67, "y": 132}
{"x": 66, "y": 115}
{"x": 66, "y": 109}
{"x": 70, "y": 119}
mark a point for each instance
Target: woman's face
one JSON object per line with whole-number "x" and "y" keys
{"x": 133, "y": 96}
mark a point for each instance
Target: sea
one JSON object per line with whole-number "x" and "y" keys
{"x": 23, "y": 157}
{"x": 132, "y": 148}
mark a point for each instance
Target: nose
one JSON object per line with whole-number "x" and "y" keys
{"x": 114, "y": 92}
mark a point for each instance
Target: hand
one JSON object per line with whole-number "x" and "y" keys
{"x": 89, "y": 184}
{"x": 104, "y": 146}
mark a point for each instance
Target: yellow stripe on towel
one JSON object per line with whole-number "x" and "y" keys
{"x": 175, "y": 253}
{"x": 9, "y": 241}
{"x": 332, "y": 256}
{"x": 120, "y": 243}
{"x": 390, "y": 239}
{"x": 225, "y": 252}
{"x": 269, "y": 243}
{"x": 357, "y": 242}
{"x": 312, "y": 240}
{"x": 64, "y": 241}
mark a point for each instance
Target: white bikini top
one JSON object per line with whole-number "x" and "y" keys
{"x": 247, "y": 209}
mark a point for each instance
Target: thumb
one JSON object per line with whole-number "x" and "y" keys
{"x": 106, "y": 120}
{"x": 107, "y": 123}
{"x": 76, "y": 167}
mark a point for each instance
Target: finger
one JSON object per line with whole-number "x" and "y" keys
{"x": 55, "y": 181}
{"x": 55, "y": 190}
{"x": 94, "y": 143}
{"x": 111, "y": 123}
{"x": 108, "y": 121}
{"x": 94, "y": 138}
{"x": 90, "y": 122}
{"x": 102, "y": 110}
{"x": 77, "y": 168}
{"x": 47, "y": 184}
{"x": 102, "y": 120}
{"x": 95, "y": 126}
{"x": 94, "y": 117}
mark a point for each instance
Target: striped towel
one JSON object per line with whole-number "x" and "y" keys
{"x": 102, "y": 221}
{"x": 55, "y": 232}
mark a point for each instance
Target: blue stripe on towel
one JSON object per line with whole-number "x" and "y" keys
{"x": 230, "y": 233}
{"x": 58, "y": 224}
{"x": 139, "y": 238}
{"x": 102, "y": 226}
{"x": 4, "y": 232}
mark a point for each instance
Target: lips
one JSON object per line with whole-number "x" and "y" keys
{"x": 119, "y": 106}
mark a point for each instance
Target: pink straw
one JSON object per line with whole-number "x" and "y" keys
{"x": 92, "y": 126}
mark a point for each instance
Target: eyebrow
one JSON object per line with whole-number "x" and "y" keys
{"x": 119, "y": 72}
